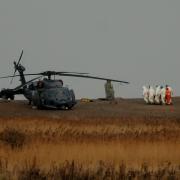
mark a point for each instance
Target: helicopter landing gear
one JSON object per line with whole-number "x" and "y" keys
{"x": 11, "y": 97}
{"x": 64, "y": 107}
{"x": 6, "y": 98}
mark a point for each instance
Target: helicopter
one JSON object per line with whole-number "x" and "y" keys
{"x": 47, "y": 92}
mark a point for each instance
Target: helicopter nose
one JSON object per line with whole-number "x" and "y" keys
{"x": 61, "y": 96}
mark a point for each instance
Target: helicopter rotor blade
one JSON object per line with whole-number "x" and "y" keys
{"x": 81, "y": 75}
{"x": 4, "y": 77}
{"x": 20, "y": 58}
{"x": 15, "y": 67}
{"x": 44, "y": 74}
{"x": 13, "y": 76}
{"x": 35, "y": 74}
{"x": 93, "y": 77}
{"x": 21, "y": 86}
{"x": 72, "y": 72}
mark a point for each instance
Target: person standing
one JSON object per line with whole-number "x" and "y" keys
{"x": 146, "y": 94}
{"x": 158, "y": 95}
{"x": 151, "y": 95}
{"x": 168, "y": 96}
{"x": 163, "y": 95}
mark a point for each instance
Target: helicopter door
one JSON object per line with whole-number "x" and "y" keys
{"x": 36, "y": 99}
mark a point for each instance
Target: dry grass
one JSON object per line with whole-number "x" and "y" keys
{"x": 72, "y": 170}
{"x": 133, "y": 155}
{"x": 99, "y": 130}
{"x": 87, "y": 143}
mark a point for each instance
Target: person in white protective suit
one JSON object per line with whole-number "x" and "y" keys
{"x": 158, "y": 95}
{"x": 151, "y": 95}
{"x": 163, "y": 95}
{"x": 146, "y": 94}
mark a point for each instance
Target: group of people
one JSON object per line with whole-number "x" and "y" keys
{"x": 159, "y": 95}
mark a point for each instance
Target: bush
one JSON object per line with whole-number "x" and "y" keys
{"x": 13, "y": 137}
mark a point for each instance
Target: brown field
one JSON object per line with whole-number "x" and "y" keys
{"x": 95, "y": 140}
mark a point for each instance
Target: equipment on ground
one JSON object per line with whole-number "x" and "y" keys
{"x": 43, "y": 91}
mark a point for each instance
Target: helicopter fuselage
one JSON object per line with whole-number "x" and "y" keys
{"x": 49, "y": 93}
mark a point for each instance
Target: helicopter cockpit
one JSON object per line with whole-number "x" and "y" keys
{"x": 48, "y": 83}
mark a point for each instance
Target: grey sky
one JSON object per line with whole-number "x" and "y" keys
{"x": 132, "y": 40}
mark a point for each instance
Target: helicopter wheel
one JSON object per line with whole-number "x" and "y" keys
{"x": 70, "y": 107}
{"x": 11, "y": 97}
{"x": 64, "y": 107}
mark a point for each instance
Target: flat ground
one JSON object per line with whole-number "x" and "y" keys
{"x": 126, "y": 130}
{"x": 121, "y": 109}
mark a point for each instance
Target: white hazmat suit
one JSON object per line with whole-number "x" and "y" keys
{"x": 146, "y": 94}
{"x": 158, "y": 95}
{"x": 163, "y": 95}
{"x": 151, "y": 95}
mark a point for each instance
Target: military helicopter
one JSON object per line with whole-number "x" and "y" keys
{"x": 46, "y": 92}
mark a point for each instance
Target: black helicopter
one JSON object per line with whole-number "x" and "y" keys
{"x": 48, "y": 92}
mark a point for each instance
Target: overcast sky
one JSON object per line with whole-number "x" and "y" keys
{"x": 132, "y": 40}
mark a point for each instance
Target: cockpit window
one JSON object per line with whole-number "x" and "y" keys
{"x": 52, "y": 83}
